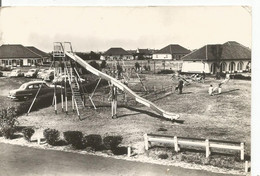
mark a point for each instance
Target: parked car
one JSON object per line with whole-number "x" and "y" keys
{"x": 62, "y": 78}
{"x": 32, "y": 73}
{"x": 41, "y": 72}
{"x": 48, "y": 75}
{"x": 16, "y": 73}
{"x": 28, "y": 90}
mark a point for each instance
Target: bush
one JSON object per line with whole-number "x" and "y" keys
{"x": 119, "y": 151}
{"x": 8, "y": 117}
{"x": 94, "y": 141}
{"x": 163, "y": 156}
{"x": 8, "y": 121}
{"x": 51, "y": 136}
{"x": 94, "y": 64}
{"x": 75, "y": 138}
{"x": 27, "y": 133}
{"x": 103, "y": 64}
{"x": 240, "y": 76}
{"x": 1, "y": 74}
{"x": 166, "y": 72}
{"x": 111, "y": 142}
{"x": 8, "y": 132}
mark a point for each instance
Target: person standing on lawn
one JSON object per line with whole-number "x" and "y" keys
{"x": 203, "y": 76}
{"x": 210, "y": 90}
{"x": 180, "y": 86}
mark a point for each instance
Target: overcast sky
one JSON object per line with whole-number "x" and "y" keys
{"x": 98, "y": 29}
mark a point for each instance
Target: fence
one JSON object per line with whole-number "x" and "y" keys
{"x": 208, "y": 144}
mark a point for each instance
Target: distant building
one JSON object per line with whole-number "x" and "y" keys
{"x": 229, "y": 57}
{"x": 45, "y": 56}
{"x": 18, "y": 55}
{"x": 116, "y": 54}
{"x": 171, "y": 52}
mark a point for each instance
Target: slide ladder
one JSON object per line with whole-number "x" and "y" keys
{"x": 75, "y": 90}
{"x": 121, "y": 86}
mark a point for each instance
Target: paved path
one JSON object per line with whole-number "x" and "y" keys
{"x": 25, "y": 161}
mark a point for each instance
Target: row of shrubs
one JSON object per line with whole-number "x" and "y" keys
{"x": 78, "y": 141}
{"x": 74, "y": 138}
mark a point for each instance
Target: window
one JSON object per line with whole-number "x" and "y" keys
{"x": 223, "y": 67}
{"x": 36, "y": 86}
{"x": 232, "y": 67}
{"x": 240, "y": 66}
{"x": 30, "y": 87}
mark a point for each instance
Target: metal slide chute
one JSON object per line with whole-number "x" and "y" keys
{"x": 122, "y": 87}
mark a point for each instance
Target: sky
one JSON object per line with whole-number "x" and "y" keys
{"x": 99, "y": 28}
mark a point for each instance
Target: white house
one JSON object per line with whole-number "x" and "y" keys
{"x": 171, "y": 52}
{"x": 229, "y": 57}
{"x": 18, "y": 55}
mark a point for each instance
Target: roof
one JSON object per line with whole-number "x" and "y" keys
{"x": 116, "y": 51}
{"x": 16, "y": 51}
{"x": 37, "y": 51}
{"x": 229, "y": 50}
{"x": 173, "y": 49}
{"x": 131, "y": 51}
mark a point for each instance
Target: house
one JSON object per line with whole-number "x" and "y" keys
{"x": 46, "y": 57}
{"x": 18, "y": 55}
{"x": 171, "y": 52}
{"x": 116, "y": 54}
{"x": 229, "y": 57}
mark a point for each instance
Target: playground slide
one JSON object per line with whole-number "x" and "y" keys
{"x": 122, "y": 87}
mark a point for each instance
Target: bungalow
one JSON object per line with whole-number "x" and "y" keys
{"x": 229, "y": 57}
{"x": 18, "y": 55}
{"x": 171, "y": 52}
{"x": 45, "y": 56}
{"x": 116, "y": 54}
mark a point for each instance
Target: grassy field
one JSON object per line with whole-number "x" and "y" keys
{"x": 225, "y": 116}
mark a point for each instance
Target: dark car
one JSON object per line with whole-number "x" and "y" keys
{"x": 28, "y": 90}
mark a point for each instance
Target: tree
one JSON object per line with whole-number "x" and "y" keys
{"x": 94, "y": 64}
{"x": 103, "y": 64}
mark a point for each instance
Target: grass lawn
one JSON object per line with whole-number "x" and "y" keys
{"x": 224, "y": 117}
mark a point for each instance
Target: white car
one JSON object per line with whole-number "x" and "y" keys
{"x": 48, "y": 75}
{"x": 41, "y": 72}
{"x": 62, "y": 77}
{"x": 16, "y": 73}
{"x": 31, "y": 73}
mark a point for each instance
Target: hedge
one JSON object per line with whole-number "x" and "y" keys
{"x": 27, "y": 133}
{"x": 111, "y": 142}
{"x": 51, "y": 136}
{"x": 94, "y": 141}
{"x": 75, "y": 138}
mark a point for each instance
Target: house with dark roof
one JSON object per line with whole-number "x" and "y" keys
{"x": 229, "y": 57}
{"x": 171, "y": 52}
{"x": 18, "y": 55}
{"x": 116, "y": 54}
{"x": 45, "y": 56}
